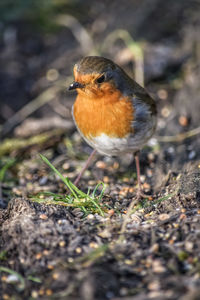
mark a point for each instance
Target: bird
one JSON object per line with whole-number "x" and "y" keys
{"x": 112, "y": 112}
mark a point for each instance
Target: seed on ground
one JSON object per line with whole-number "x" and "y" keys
{"x": 90, "y": 217}
{"x": 62, "y": 243}
{"x": 93, "y": 245}
{"x": 154, "y": 248}
{"x": 38, "y": 255}
{"x": 55, "y": 276}
{"x": 34, "y": 294}
{"x": 4, "y": 278}
{"x": 182, "y": 217}
{"x": 183, "y": 121}
{"x": 106, "y": 179}
{"x": 46, "y": 252}
{"x": 78, "y": 250}
{"x": 50, "y": 267}
{"x": 101, "y": 164}
{"x": 41, "y": 292}
{"x": 43, "y": 217}
{"x": 163, "y": 217}
{"x": 49, "y": 292}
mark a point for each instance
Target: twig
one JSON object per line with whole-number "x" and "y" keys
{"x": 45, "y": 97}
{"x": 9, "y": 145}
{"x": 134, "y": 47}
{"x": 126, "y": 218}
{"x": 80, "y": 33}
{"x": 179, "y": 137}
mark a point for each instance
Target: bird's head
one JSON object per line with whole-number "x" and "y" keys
{"x": 97, "y": 76}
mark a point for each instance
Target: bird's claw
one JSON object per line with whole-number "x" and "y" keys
{"x": 140, "y": 195}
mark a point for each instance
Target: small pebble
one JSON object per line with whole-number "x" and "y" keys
{"x": 182, "y": 217}
{"x": 149, "y": 173}
{"x": 49, "y": 292}
{"x": 43, "y": 180}
{"x": 52, "y": 75}
{"x": 12, "y": 278}
{"x": 192, "y": 154}
{"x": 146, "y": 186}
{"x": 155, "y": 294}
{"x": 66, "y": 166}
{"x": 157, "y": 266}
{"x": 171, "y": 150}
{"x": 104, "y": 233}
{"x": 154, "y": 248}
{"x": 4, "y": 278}
{"x": 62, "y": 243}
{"x": 90, "y": 217}
{"x": 151, "y": 156}
{"x": 154, "y": 285}
{"x": 189, "y": 246}
{"x": 38, "y": 256}
{"x": 55, "y": 276}
{"x": 116, "y": 165}
{"x": 101, "y": 164}
{"x": 78, "y": 212}
{"x": 111, "y": 212}
{"x": 183, "y": 121}
{"x": 128, "y": 262}
{"x": 91, "y": 182}
{"x": 34, "y": 294}
{"x": 46, "y": 252}
{"x": 17, "y": 191}
{"x": 165, "y": 112}
{"x": 136, "y": 218}
{"x": 176, "y": 225}
{"x": 106, "y": 179}
{"x": 162, "y": 94}
{"x": 78, "y": 250}
{"x": 125, "y": 179}
{"x": 70, "y": 260}
{"x": 163, "y": 217}
{"x": 50, "y": 267}
{"x": 171, "y": 242}
{"x": 123, "y": 291}
{"x": 41, "y": 292}
{"x": 93, "y": 245}
{"x": 43, "y": 217}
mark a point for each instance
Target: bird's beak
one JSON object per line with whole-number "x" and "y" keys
{"x": 75, "y": 85}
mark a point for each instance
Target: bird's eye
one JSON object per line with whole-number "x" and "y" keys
{"x": 100, "y": 79}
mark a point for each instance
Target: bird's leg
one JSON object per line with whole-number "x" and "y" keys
{"x": 140, "y": 193}
{"x": 85, "y": 167}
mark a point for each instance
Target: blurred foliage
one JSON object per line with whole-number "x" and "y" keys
{"x": 39, "y": 13}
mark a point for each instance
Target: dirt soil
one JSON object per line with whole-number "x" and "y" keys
{"x": 57, "y": 252}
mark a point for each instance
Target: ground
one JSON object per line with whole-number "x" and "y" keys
{"x": 78, "y": 249}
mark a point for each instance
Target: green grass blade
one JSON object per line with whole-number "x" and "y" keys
{"x": 20, "y": 277}
{"x": 34, "y": 279}
{"x": 78, "y": 191}
{"x": 95, "y": 190}
{"x": 3, "y": 170}
{"x": 65, "y": 180}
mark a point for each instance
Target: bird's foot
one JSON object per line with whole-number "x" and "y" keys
{"x": 140, "y": 195}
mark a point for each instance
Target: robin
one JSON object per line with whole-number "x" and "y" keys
{"x": 113, "y": 113}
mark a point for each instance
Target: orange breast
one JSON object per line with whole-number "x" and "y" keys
{"x": 111, "y": 115}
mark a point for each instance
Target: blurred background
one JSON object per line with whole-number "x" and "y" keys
{"x": 157, "y": 42}
{"x": 47, "y": 247}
